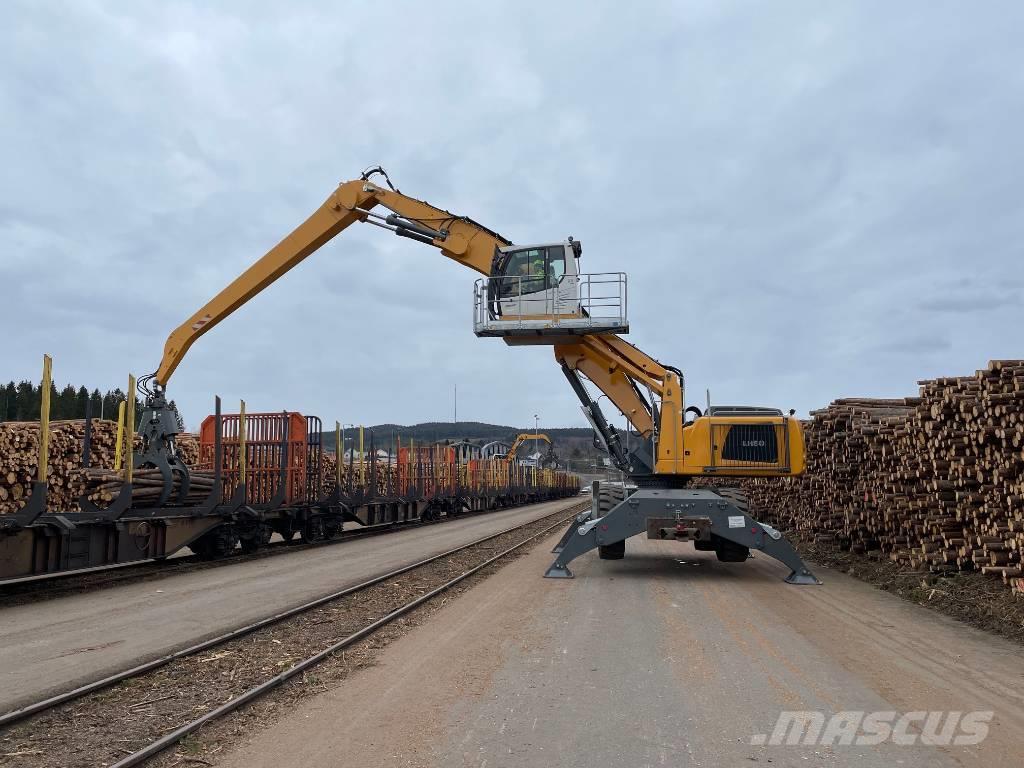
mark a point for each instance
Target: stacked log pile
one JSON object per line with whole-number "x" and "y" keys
{"x": 19, "y": 454}
{"x": 382, "y": 472}
{"x": 188, "y": 448}
{"x": 935, "y": 482}
{"x": 103, "y": 486}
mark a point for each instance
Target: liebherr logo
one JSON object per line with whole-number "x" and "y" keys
{"x": 858, "y": 728}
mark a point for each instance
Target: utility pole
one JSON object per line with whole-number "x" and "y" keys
{"x": 456, "y": 403}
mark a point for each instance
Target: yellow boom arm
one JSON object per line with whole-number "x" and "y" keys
{"x": 458, "y": 238}
{"x": 648, "y": 393}
{"x": 520, "y": 439}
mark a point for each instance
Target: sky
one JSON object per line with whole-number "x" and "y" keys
{"x": 811, "y": 200}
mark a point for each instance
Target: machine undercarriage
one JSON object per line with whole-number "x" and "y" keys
{"x": 713, "y": 520}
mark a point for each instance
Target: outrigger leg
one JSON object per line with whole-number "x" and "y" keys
{"x": 711, "y": 516}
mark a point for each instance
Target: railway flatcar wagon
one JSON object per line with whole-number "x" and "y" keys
{"x": 251, "y": 476}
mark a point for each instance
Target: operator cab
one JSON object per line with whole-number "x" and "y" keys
{"x": 536, "y": 294}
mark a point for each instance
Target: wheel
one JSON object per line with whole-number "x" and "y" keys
{"x": 313, "y": 530}
{"x": 428, "y": 515}
{"x": 615, "y": 551}
{"x": 259, "y": 537}
{"x": 220, "y": 542}
{"x": 332, "y": 527}
{"x": 609, "y": 497}
{"x": 729, "y": 551}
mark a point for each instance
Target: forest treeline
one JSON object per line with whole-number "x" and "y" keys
{"x": 22, "y": 402}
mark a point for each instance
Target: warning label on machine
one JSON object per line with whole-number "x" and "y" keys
{"x": 736, "y": 521}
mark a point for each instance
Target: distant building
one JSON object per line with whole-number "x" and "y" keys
{"x": 494, "y": 448}
{"x": 353, "y": 455}
{"x": 466, "y": 451}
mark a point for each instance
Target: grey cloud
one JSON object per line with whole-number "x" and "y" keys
{"x": 968, "y": 296}
{"x": 786, "y": 184}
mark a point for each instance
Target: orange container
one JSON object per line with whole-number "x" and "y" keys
{"x": 266, "y": 436}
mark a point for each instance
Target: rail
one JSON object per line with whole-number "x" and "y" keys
{"x": 50, "y": 702}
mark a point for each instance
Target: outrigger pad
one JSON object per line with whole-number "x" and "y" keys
{"x": 802, "y": 578}
{"x": 556, "y": 571}
{"x": 722, "y": 517}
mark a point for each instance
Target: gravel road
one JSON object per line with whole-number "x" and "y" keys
{"x": 57, "y": 644}
{"x": 665, "y": 658}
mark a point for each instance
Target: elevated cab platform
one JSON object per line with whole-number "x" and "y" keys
{"x": 505, "y": 307}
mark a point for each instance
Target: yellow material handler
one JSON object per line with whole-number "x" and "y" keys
{"x": 536, "y": 294}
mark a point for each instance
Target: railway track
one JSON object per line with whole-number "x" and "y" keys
{"x": 243, "y": 664}
{"x": 53, "y": 585}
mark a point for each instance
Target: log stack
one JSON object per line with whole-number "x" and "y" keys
{"x": 384, "y": 473}
{"x": 188, "y": 448}
{"x": 19, "y": 455}
{"x": 934, "y": 482}
{"x": 103, "y": 485}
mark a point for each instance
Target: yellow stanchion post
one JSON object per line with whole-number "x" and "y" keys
{"x": 129, "y": 431}
{"x": 44, "y": 420}
{"x": 119, "y": 446}
{"x": 339, "y": 455}
{"x": 362, "y": 458}
{"x": 242, "y": 458}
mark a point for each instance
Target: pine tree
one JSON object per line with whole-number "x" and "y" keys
{"x": 81, "y": 400}
{"x": 63, "y": 407}
{"x": 27, "y": 402}
{"x": 10, "y": 403}
{"x": 110, "y": 403}
{"x": 177, "y": 416}
{"x": 96, "y": 403}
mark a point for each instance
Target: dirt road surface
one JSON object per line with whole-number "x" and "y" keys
{"x": 665, "y": 658}
{"x": 56, "y": 644}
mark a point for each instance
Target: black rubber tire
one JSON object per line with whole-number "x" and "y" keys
{"x": 729, "y": 551}
{"x": 615, "y": 551}
{"x": 609, "y": 497}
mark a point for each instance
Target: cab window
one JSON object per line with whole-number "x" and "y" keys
{"x": 556, "y": 265}
{"x": 526, "y": 270}
{"x": 532, "y": 270}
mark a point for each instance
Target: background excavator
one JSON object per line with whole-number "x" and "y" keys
{"x": 550, "y": 458}
{"x": 532, "y": 295}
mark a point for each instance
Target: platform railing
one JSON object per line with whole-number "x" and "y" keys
{"x": 588, "y": 303}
